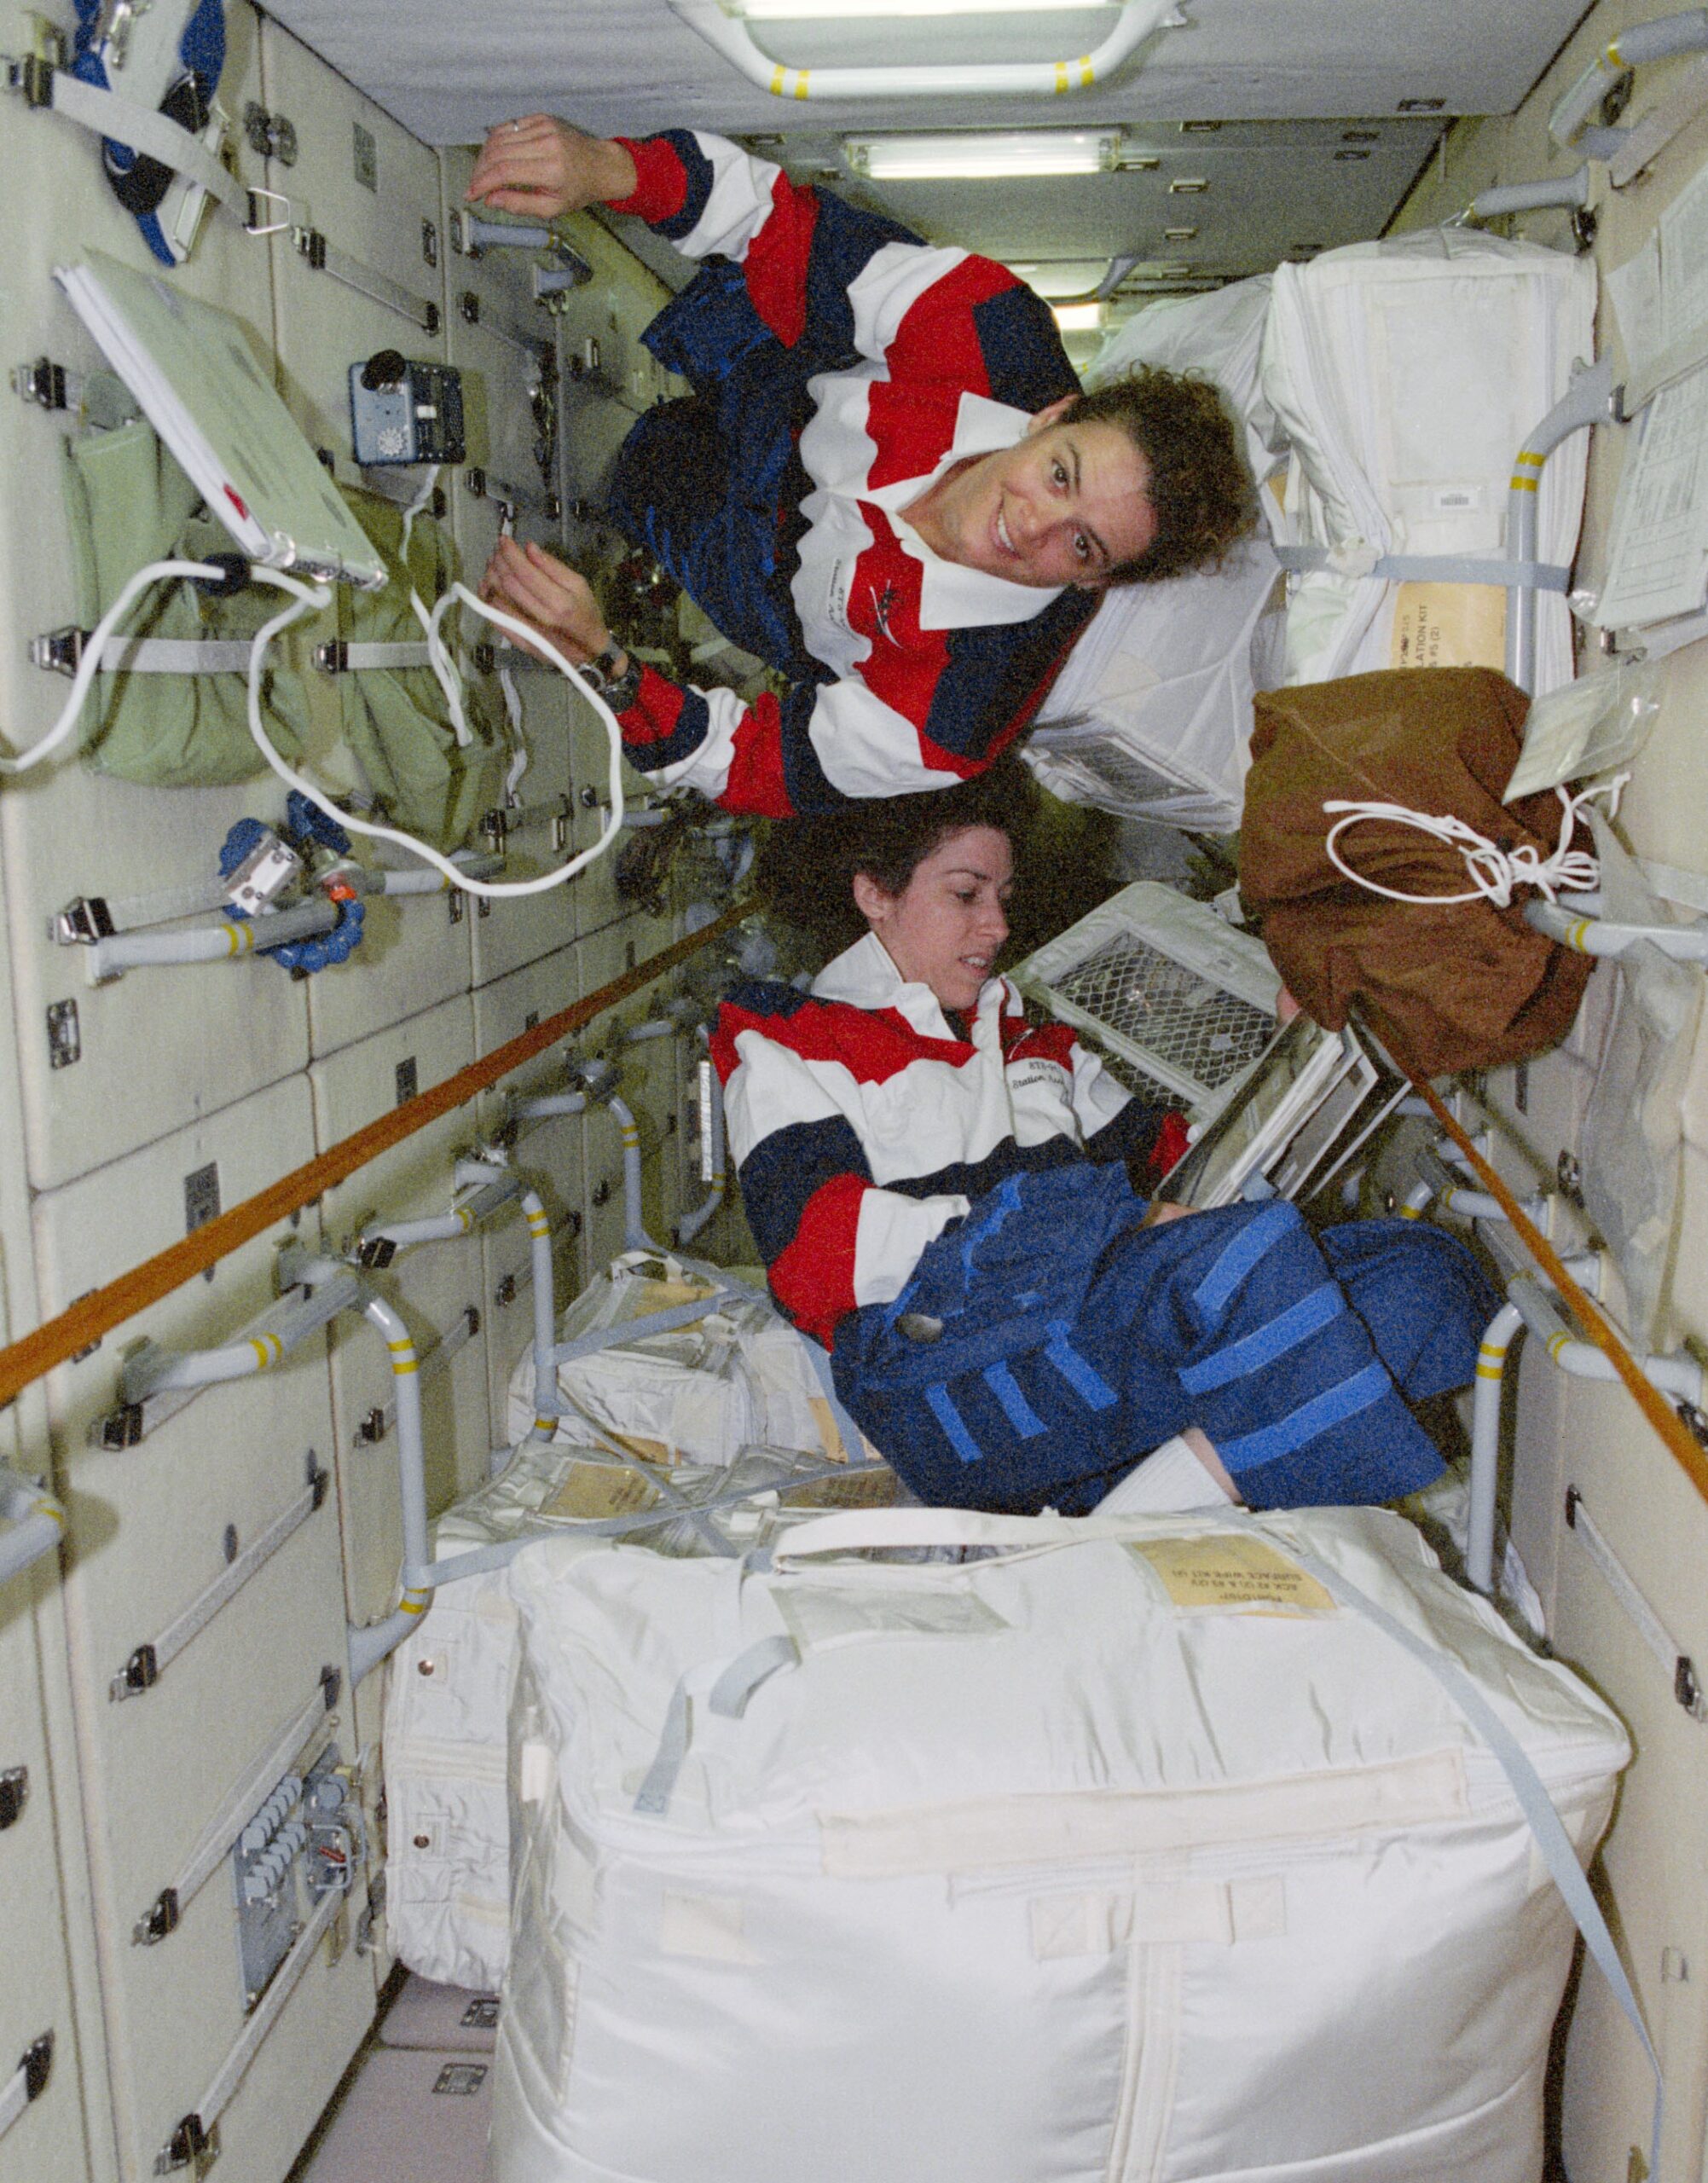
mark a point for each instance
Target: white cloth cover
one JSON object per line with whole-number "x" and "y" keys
{"x": 448, "y": 1820}
{"x": 1219, "y": 336}
{"x": 739, "y": 1378}
{"x": 1406, "y": 375}
{"x": 1115, "y": 1851}
{"x": 1151, "y": 717}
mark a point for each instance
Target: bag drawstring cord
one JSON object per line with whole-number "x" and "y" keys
{"x": 1494, "y": 872}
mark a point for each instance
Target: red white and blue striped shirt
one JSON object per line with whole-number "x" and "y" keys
{"x": 862, "y": 1123}
{"x": 914, "y": 357}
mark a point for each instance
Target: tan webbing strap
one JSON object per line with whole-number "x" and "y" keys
{"x": 1692, "y": 1459}
{"x": 96, "y": 1314}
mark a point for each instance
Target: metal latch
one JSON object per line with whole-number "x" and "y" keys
{"x": 42, "y": 382}
{"x": 191, "y": 2146}
{"x": 161, "y": 1919}
{"x": 141, "y": 1672}
{"x": 37, "y": 2062}
{"x": 60, "y": 651}
{"x": 14, "y": 1794}
{"x": 65, "y": 1038}
{"x": 332, "y": 659}
{"x": 81, "y": 923}
{"x": 123, "y": 1428}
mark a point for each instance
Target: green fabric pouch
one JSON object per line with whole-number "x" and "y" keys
{"x": 128, "y": 503}
{"x": 394, "y": 718}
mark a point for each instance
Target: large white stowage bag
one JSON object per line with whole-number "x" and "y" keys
{"x": 447, "y": 1821}
{"x": 1116, "y": 1852}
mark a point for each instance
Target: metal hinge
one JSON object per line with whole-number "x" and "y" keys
{"x": 14, "y": 1794}
{"x": 43, "y": 383}
{"x": 65, "y": 1039}
{"x": 270, "y": 136}
{"x": 59, "y": 651}
{"x": 430, "y": 242}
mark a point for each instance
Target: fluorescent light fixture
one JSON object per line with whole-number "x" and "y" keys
{"x": 1060, "y": 278}
{"x": 979, "y": 157}
{"x": 1078, "y": 318}
{"x": 807, "y": 11}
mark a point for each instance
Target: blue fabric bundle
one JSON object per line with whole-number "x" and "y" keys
{"x": 139, "y": 182}
{"x": 1073, "y": 1341}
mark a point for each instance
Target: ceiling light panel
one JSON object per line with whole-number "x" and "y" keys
{"x": 1001, "y": 155}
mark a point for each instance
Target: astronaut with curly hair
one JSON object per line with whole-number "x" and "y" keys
{"x": 886, "y": 481}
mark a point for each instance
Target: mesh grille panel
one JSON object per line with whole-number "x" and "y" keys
{"x": 1208, "y": 1034}
{"x": 1119, "y": 771}
{"x": 1128, "y": 1075}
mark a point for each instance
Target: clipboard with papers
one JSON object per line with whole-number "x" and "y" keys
{"x": 191, "y": 369}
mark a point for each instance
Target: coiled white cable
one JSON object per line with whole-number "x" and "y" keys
{"x": 1494, "y": 872}
{"x": 93, "y": 644}
{"x": 312, "y": 599}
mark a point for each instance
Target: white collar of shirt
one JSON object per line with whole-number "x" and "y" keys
{"x": 865, "y": 976}
{"x": 950, "y": 595}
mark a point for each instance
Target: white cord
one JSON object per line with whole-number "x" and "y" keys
{"x": 519, "y": 740}
{"x": 312, "y": 599}
{"x": 445, "y": 672}
{"x": 93, "y": 645}
{"x": 1494, "y": 872}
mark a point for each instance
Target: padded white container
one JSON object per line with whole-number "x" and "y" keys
{"x": 1406, "y": 376}
{"x": 448, "y": 1821}
{"x": 1117, "y": 1852}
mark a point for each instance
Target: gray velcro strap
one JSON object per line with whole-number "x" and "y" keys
{"x": 151, "y": 133}
{"x": 1430, "y": 568}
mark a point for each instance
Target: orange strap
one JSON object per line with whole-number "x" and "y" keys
{"x": 97, "y": 1313}
{"x": 1661, "y": 1415}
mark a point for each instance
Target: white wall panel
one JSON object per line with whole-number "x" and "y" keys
{"x": 433, "y": 1285}
{"x": 491, "y": 305}
{"x": 48, "y": 2144}
{"x": 149, "y": 1532}
{"x": 158, "y": 1047}
{"x": 412, "y": 956}
{"x": 549, "y": 1153}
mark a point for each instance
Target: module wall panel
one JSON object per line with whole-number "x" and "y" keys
{"x": 48, "y": 2143}
{"x": 505, "y": 343}
{"x": 549, "y": 1152}
{"x": 433, "y": 1285}
{"x": 373, "y": 193}
{"x": 152, "y": 1526}
{"x": 157, "y": 1047}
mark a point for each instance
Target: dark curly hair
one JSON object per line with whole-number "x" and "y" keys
{"x": 807, "y": 868}
{"x": 1200, "y": 486}
{"x": 1062, "y": 855}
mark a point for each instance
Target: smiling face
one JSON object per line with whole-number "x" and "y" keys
{"x": 946, "y": 926}
{"x": 1068, "y": 504}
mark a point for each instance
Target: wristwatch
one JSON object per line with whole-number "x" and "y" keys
{"x": 618, "y": 691}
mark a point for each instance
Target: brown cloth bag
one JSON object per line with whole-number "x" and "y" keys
{"x": 1464, "y": 986}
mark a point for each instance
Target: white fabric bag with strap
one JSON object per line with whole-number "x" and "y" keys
{"x": 1107, "y": 1849}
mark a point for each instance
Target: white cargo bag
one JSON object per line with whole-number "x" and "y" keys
{"x": 740, "y": 1377}
{"x": 1406, "y": 375}
{"x": 1118, "y": 1850}
{"x": 1151, "y": 717}
{"x": 448, "y": 1821}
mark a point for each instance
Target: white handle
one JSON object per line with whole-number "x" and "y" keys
{"x": 876, "y": 1530}
{"x": 1139, "y": 20}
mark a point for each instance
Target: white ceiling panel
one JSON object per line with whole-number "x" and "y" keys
{"x": 448, "y": 70}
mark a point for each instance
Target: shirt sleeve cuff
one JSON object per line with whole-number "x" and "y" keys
{"x": 661, "y": 187}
